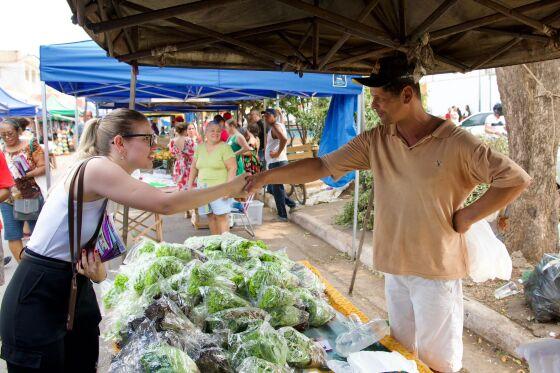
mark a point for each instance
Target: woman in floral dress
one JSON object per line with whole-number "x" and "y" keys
{"x": 182, "y": 147}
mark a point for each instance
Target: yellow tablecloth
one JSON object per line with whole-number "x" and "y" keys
{"x": 345, "y": 307}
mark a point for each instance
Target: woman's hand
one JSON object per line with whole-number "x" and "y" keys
{"x": 91, "y": 266}
{"x": 237, "y": 186}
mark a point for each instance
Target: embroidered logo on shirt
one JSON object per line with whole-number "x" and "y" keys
{"x": 438, "y": 162}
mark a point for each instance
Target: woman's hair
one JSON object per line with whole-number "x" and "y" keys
{"x": 213, "y": 123}
{"x": 100, "y": 132}
{"x": 181, "y": 127}
{"x": 233, "y": 123}
{"x": 218, "y": 118}
{"x": 16, "y": 123}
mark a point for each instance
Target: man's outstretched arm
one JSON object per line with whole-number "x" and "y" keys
{"x": 299, "y": 172}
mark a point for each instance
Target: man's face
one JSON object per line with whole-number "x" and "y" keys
{"x": 389, "y": 107}
{"x": 87, "y": 116}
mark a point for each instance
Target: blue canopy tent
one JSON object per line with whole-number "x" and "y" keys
{"x": 84, "y": 69}
{"x": 9, "y": 106}
{"x": 169, "y": 107}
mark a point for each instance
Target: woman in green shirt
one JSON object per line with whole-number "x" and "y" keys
{"x": 238, "y": 144}
{"x": 214, "y": 164}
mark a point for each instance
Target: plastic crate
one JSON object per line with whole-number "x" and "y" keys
{"x": 254, "y": 211}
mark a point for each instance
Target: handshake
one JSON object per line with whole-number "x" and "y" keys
{"x": 246, "y": 184}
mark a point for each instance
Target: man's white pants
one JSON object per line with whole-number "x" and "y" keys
{"x": 426, "y": 317}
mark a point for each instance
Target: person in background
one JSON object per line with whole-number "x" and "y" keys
{"x": 193, "y": 133}
{"x": 459, "y": 114}
{"x": 424, "y": 169}
{"x": 275, "y": 155}
{"x": 17, "y": 152}
{"x": 256, "y": 127}
{"x": 27, "y": 133}
{"x": 495, "y": 123}
{"x": 155, "y": 128}
{"x": 214, "y": 164}
{"x": 182, "y": 147}
{"x": 238, "y": 144}
{"x": 224, "y": 135}
{"x": 35, "y": 304}
{"x": 80, "y": 125}
{"x": 468, "y": 112}
{"x": 250, "y": 158}
{"x": 6, "y": 183}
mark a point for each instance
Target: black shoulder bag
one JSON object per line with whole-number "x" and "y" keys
{"x": 75, "y": 235}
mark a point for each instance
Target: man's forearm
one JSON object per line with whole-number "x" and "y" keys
{"x": 299, "y": 172}
{"x": 493, "y": 200}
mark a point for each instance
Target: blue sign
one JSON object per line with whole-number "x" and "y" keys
{"x": 339, "y": 80}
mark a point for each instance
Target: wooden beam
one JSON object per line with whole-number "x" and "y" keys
{"x": 432, "y": 18}
{"x": 348, "y": 23}
{"x": 518, "y": 16}
{"x": 487, "y": 20}
{"x": 359, "y": 57}
{"x": 315, "y": 40}
{"x": 296, "y": 51}
{"x": 214, "y": 34}
{"x": 461, "y": 67}
{"x": 103, "y": 16}
{"x": 451, "y": 41}
{"x": 381, "y": 21}
{"x": 127, "y": 36}
{"x": 344, "y": 38}
{"x": 306, "y": 36}
{"x": 492, "y": 31}
{"x": 496, "y": 54}
{"x": 402, "y": 20}
{"x": 154, "y": 15}
{"x": 248, "y": 55}
{"x": 359, "y": 33}
{"x": 552, "y": 18}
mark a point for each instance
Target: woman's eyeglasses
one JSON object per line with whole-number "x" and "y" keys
{"x": 8, "y": 134}
{"x": 150, "y": 138}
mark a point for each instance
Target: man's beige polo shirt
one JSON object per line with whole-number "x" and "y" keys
{"x": 417, "y": 190}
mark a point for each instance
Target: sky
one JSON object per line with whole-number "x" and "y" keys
{"x": 27, "y": 24}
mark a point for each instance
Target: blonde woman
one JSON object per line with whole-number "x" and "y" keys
{"x": 35, "y": 306}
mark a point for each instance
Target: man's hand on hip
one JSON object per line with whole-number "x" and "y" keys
{"x": 461, "y": 221}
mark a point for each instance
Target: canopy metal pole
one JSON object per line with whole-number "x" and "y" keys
{"x": 131, "y": 105}
{"x": 46, "y": 134}
{"x": 76, "y": 121}
{"x": 36, "y": 124}
{"x": 357, "y": 178}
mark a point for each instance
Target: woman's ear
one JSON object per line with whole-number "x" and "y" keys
{"x": 407, "y": 94}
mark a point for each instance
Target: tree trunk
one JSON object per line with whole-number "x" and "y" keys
{"x": 532, "y": 226}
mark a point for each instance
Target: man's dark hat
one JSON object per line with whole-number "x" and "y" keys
{"x": 390, "y": 69}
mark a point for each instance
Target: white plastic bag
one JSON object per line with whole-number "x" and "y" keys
{"x": 488, "y": 256}
{"x": 380, "y": 361}
{"x": 543, "y": 356}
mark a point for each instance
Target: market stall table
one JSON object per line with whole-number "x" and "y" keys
{"x": 144, "y": 223}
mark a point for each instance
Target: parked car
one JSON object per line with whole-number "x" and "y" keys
{"x": 475, "y": 124}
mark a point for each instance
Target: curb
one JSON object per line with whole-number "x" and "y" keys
{"x": 480, "y": 319}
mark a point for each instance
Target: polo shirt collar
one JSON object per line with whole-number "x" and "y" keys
{"x": 443, "y": 131}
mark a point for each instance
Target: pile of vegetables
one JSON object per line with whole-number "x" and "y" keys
{"x": 214, "y": 304}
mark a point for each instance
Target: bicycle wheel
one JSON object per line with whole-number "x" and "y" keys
{"x": 289, "y": 189}
{"x": 300, "y": 193}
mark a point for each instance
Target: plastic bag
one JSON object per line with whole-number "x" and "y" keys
{"x": 359, "y": 335}
{"x": 488, "y": 256}
{"x": 289, "y": 316}
{"x": 307, "y": 278}
{"x": 235, "y": 319}
{"x": 320, "y": 312}
{"x": 380, "y": 361}
{"x": 146, "y": 352}
{"x": 542, "y": 355}
{"x": 218, "y": 299}
{"x": 255, "y": 365}
{"x": 542, "y": 289}
{"x": 262, "y": 342}
{"x": 302, "y": 351}
{"x": 271, "y": 297}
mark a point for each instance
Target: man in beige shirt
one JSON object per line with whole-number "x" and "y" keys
{"x": 424, "y": 168}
